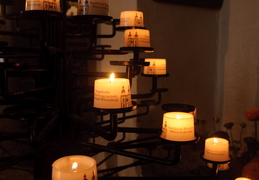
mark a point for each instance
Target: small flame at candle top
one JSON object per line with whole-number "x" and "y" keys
{"x": 74, "y": 166}
{"x": 112, "y": 77}
{"x": 215, "y": 140}
{"x": 178, "y": 116}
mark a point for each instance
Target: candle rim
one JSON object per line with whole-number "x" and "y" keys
{"x": 243, "y": 178}
{"x": 221, "y": 140}
{"x": 173, "y": 114}
{"x": 149, "y": 59}
{"x": 116, "y": 80}
{"x": 131, "y": 11}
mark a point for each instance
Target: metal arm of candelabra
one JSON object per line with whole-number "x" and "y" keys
{"x": 176, "y": 148}
{"x": 110, "y": 132}
{"x": 93, "y": 21}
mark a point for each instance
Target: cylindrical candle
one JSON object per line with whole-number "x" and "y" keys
{"x": 93, "y": 7}
{"x": 47, "y": 5}
{"x": 76, "y": 167}
{"x": 136, "y": 38}
{"x": 243, "y": 178}
{"x": 156, "y": 66}
{"x": 132, "y": 18}
{"x": 112, "y": 93}
{"x": 216, "y": 149}
{"x": 178, "y": 126}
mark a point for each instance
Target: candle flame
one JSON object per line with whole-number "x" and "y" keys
{"x": 178, "y": 117}
{"x": 112, "y": 77}
{"x": 215, "y": 140}
{"x": 74, "y": 166}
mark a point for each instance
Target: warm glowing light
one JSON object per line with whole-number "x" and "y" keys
{"x": 215, "y": 140}
{"x": 242, "y": 178}
{"x": 178, "y": 117}
{"x": 112, "y": 77}
{"x": 74, "y": 166}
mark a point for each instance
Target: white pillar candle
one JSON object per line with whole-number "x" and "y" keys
{"x": 136, "y": 38}
{"x": 112, "y": 93}
{"x": 156, "y": 66}
{"x": 93, "y": 7}
{"x": 34, "y": 5}
{"x": 132, "y": 18}
{"x": 178, "y": 126}
{"x": 243, "y": 178}
{"x": 216, "y": 149}
{"x": 46, "y": 5}
{"x": 76, "y": 167}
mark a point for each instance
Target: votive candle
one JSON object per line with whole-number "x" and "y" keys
{"x": 216, "y": 149}
{"x": 136, "y": 38}
{"x": 178, "y": 126}
{"x": 156, "y": 66}
{"x": 112, "y": 93}
{"x": 76, "y": 167}
{"x": 132, "y": 18}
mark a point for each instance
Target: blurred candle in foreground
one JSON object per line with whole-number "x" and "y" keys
{"x": 76, "y": 167}
{"x": 243, "y": 178}
{"x": 178, "y": 126}
{"x": 156, "y": 66}
{"x": 216, "y": 149}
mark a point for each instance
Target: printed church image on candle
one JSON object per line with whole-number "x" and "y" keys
{"x": 136, "y": 38}
{"x": 138, "y": 21}
{"x": 125, "y": 97}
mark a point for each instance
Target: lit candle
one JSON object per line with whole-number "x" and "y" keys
{"x": 216, "y": 149}
{"x": 243, "y": 178}
{"x": 93, "y": 7}
{"x": 112, "y": 93}
{"x": 156, "y": 66}
{"x": 136, "y": 38}
{"x": 178, "y": 126}
{"x": 76, "y": 167}
{"x": 132, "y": 18}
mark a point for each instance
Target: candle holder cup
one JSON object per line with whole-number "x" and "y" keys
{"x": 215, "y": 164}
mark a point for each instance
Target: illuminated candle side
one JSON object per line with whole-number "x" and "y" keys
{"x": 156, "y": 66}
{"x": 132, "y": 18}
{"x": 178, "y": 126}
{"x": 76, "y": 167}
{"x": 46, "y": 5}
{"x": 243, "y": 178}
{"x": 112, "y": 94}
{"x": 93, "y": 7}
{"x": 216, "y": 149}
{"x": 136, "y": 38}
